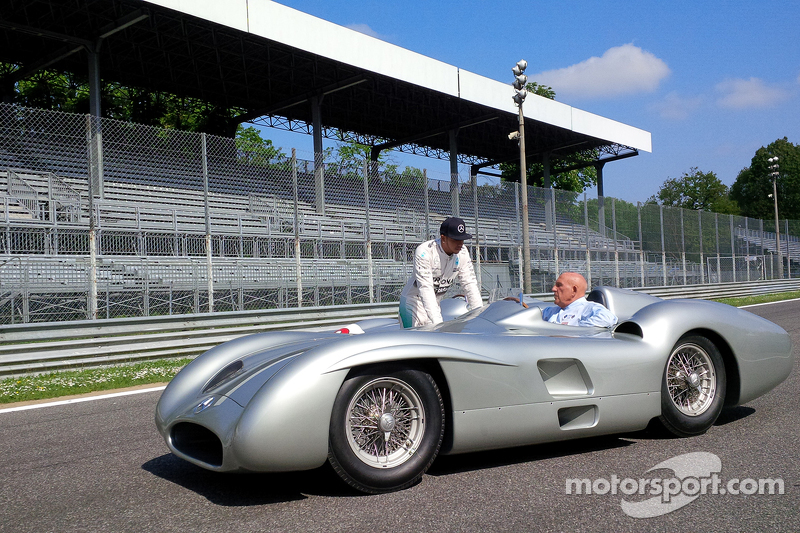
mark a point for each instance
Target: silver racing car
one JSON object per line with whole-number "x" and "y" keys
{"x": 380, "y": 403}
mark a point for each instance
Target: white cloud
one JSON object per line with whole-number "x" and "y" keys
{"x": 676, "y": 107}
{"x": 622, "y": 70}
{"x": 747, "y": 94}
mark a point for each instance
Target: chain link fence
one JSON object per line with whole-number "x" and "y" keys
{"x": 104, "y": 219}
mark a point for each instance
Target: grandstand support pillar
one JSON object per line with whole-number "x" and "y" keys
{"x": 371, "y": 279}
{"x": 474, "y": 183}
{"x": 96, "y": 130}
{"x": 297, "y": 231}
{"x": 319, "y": 170}
{"x": 601, "y": 200}
{"x": 454, "y": 172}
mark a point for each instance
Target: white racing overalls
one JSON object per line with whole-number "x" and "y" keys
{"x": 434, "y": 273}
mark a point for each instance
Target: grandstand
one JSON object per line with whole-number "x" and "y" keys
{"x": 164, "y": 245}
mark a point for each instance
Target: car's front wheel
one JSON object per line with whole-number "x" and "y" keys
{"x": 693, "y": 387}
{"x": 387, "y": 425}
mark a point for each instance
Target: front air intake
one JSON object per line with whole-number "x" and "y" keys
{"x": 197, "y": 442}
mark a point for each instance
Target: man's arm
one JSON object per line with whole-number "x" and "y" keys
{"x": 598, "y": 315}
{"x": 469, "y": 283}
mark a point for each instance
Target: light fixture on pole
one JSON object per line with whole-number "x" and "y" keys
{"x": 774, "y": 173}
{"x": 520, "y": 80}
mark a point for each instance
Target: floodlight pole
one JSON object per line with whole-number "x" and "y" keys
{"x": 526, "y": 242}
{"x": 520, "y": 81}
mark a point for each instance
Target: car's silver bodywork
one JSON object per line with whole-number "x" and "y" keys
{"x": 507, "y": 377}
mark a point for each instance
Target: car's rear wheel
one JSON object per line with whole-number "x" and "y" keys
{"x": 693, "y": 387}
{"x": 387, "y": 425}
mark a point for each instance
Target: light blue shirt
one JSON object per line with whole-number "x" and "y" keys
{"x": 581, "y": 312}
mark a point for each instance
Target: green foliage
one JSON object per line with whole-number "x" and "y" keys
{"x": 254, "y": 149}
{"x": 697, "y": 190}
{"x": 411, "y": 177}
{"x": 64, "y": 91}
{"x": 573, "y": 180}
{"x": 541, "y": 90}
{"x": 348, "y": 160}
{"x": 752, "y": 189}
{"x": 626, "y": 215}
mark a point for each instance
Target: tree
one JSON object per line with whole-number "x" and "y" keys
{"x": 64, "y": 91}
{"x": 696, "y": 190}
{"x": 254, "y": 149}
{"x": 576, "y": 180}
{"x": 752, "y": 189}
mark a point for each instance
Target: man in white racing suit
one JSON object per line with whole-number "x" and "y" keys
{"x": 437, "y": 264}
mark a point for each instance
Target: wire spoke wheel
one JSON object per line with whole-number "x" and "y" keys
{"x": 693, "y": 386}
{"x": 387, "y": 425}
{"x": 691, "y": 379}
{"x": 386, "y": 421}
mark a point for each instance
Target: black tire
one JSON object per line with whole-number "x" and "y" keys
{"x": 388, "y": 395}
{"x": 692, "y": 387}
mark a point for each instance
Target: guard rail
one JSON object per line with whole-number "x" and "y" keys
{"x": 44, "y": 347}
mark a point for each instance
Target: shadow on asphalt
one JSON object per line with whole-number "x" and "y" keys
{"x": 732, "y": 414}
{"x": 452, "y": 464}
{"x": 244, "y": 490}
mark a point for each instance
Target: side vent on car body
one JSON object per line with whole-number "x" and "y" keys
{"x": 578, "y": 417}
{"x": 631, "y": 328}
{"x": 565, "y": 377}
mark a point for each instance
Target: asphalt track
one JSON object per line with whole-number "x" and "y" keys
{"x": 101, "y": 466}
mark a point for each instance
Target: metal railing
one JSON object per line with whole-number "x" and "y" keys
{"x": 43, "y": 347}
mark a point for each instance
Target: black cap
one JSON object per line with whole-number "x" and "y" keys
{"x": 454, "y": 228}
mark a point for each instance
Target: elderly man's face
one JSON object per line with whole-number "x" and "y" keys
{"x": 566, "y": 290}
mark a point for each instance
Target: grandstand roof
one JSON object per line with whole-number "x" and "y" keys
{"x": 270, "y": 60}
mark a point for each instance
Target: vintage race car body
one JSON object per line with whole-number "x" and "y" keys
{"x": 500, "y": 374}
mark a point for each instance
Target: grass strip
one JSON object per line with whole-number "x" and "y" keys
{"x": 760, "y": 299}
{"x": 57, "y": 384}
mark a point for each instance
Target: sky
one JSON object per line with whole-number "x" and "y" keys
{"x": 712, "y": 81}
